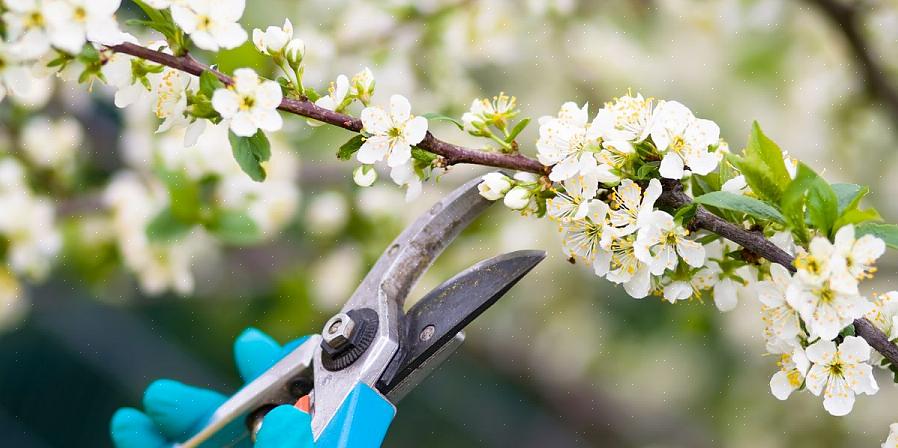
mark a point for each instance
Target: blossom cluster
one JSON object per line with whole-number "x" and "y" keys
{"x": 604, "y": 190}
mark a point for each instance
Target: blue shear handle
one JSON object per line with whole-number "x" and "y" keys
{"x": 361, "y": 421}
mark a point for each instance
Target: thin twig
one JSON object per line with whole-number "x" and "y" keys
{"x": 672, "y": 196}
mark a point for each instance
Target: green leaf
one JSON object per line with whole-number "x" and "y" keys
{"x": 743, "y": 204}
{"x": 809, "y": 192}
{"x": 209, "y": 83}
{"x": 235, "y": 227}
{"x": 311, "y": 94}
{"x": 166, "y": 227}
{"x": 849, "y": 194}
{"x": 423, "y": 155}
{"x": 686, "y": 213}
{"x": 763, "y": 166}
{"x": 440, "y": 117}
{"x": 758, "y": 178}
{"x": 518, "y": 128}
{"x": 250, "y": 152}
{"x": 648, "y": 170}
{"x": 885, "y": 232}
{"x": 351, "y": 147}
{"x": 823, "y": 206}
{"x": 768, "y": 153}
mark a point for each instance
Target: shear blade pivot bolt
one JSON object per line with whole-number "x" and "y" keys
{"x": 338, "y": 330}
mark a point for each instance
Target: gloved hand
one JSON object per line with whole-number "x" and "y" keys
{"x": 174, "y": 411}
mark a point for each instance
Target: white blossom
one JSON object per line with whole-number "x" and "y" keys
{"x": 485, "y": 112}
{"x": 793, "y": 364}
{"x": 626, "y": 119}
{"x": 661, "y": 243}
{"x": 362, "y": 85}
{"x": 815, "y": 266}
{"x": 631, "y": 206}
{"x": 574, "y": 202}
{"x": 391, "y": 135}
{"x": 170, "y": 105}
{"x": 825, "y": 310}
{"x": 295, "y": 52}
{"x": 568, "y": 142}
{"x": 273, "y": 40}
{"x": 336, "y": 94}
{"x": 859, "y": 254}
{"x": 583, "y": 237}
{"x": 736, "y": 185}
{"x": 683, "y": 140}
{"x": 27, "y": 28}
{"x": 892, "y": 440}
{"x": 884, "y": 313}
{"x": 781, "y": 321}
{"x": 612, "y": 158}
{"x": 404, "y": 175}
{"x": 726, "y": 283}
{"x": 365, "y": 175}
{"x": 250, "y": 103}
{"x": 840, "y": 373}
{"x": 494, "y": 186}
{"x": 14, "y": 75}
{"x": 518, "y": 198}
{"x": 211, "y": 24}
{"x": 72, "y": 23}
{"x": 623, "y": 267}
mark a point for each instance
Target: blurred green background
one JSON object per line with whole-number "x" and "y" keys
{"x": 565, "y": 359}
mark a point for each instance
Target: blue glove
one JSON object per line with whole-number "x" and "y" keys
{"x": 174, "y": 411}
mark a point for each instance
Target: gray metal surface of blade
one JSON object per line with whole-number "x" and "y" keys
{"x": 384, "y": 290}
{"x": 440, "y": 315}
{"x": 269, "y": 388}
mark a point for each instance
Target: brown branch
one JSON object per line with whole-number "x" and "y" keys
{"x": 876, "y": 78}
{"x": 453, "y": 154}
{"x": 672, "y": 196}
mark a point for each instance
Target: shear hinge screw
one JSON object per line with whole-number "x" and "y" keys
{"x": 338, "y": 330}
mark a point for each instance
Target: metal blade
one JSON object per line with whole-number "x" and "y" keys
{"x": 444, "y": 312}
{"x": 409, "y": 255}
{"x": 384, "y": 290}
{"x": 272, "y": 387}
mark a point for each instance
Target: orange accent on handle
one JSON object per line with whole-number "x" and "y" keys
{"x": 304, "y": 404}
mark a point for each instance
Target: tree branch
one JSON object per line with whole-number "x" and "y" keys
{"x": 672, "y": 196}
{"x": 844, "y": 16}
{"x": 453, "y": 154}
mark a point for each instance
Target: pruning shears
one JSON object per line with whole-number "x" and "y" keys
{"x": 371, "y": 354}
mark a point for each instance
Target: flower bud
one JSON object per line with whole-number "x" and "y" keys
{"x": 273, "y": 40}
{"x": 518, "y": 198}
{"x": 523, "y": 176}
{"x": 363, "y": 85}
{"x": 494, "y": 186}
{"x": 294, "y": 52}
{"x": 364, "y": 176}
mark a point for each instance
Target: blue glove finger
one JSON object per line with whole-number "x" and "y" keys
{"x": 179, "y": 410}
{"x": 285, "y": 427}
{"x": 255, "y": 352}
{"x": 131, "y": 428}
